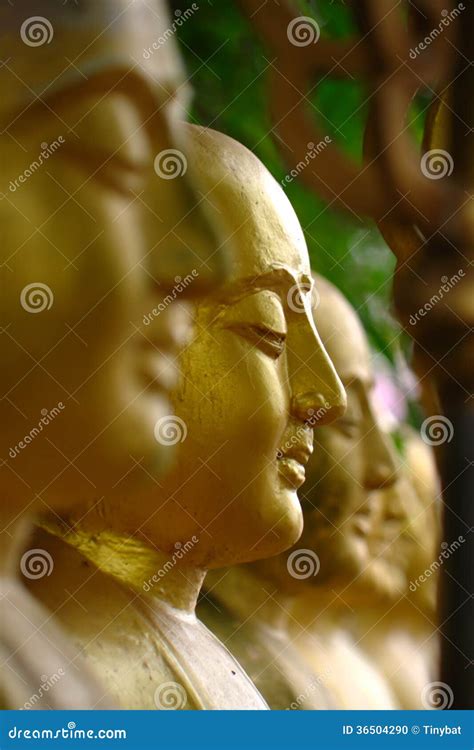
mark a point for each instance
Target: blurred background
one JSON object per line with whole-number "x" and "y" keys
{"x": 228, "y": 68}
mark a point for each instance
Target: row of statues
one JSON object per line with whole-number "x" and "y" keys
{"x": 171, "y": 536}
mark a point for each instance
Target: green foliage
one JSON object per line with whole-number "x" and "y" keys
{"x": 228, "y": 69}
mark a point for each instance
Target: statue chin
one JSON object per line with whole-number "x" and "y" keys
{"x": 286, "y": 527}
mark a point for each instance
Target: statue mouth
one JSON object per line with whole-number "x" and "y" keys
{"x": 362, "y": 524}
{"x": 292, "y": 461}
{"x": 292, "y": 472}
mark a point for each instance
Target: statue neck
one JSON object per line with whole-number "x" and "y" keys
{"x": 158, "y": 577}
{"x": 248, "y": 596}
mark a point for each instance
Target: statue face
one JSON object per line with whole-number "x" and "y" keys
{"x": 352, "y": 457}
{"x": 254, "y": 373}
{"x": 404, "y": 533}
{"x": 97, "y": 270}
{"x": 424, "y": 515}
{"x": 389, "y": 539}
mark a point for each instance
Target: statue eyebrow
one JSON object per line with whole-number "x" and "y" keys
{"x": 277, "y": 278}
{"x": 359, "y": 383}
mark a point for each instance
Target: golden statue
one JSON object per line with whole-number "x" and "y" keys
{"x": 399, "y": 631}
{"x": 296, "y": 608}
{"x": 254, "y": 375}
{"x": 94, "y": 282}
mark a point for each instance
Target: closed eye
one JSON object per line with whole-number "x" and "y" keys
{"x": 113, "y": 170}
{"x": 269, "y": 341}
{"x": 351, "y": 428}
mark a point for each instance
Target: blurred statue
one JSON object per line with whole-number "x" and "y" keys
{"x": 399, "y": 631}
{"x": 297, "y": 607}
{"x": 94, "y": 280}
{"x": 254, "y": 374}
{"x": 252, "y": 618}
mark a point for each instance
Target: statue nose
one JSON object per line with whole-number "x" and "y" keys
{"x": 316, "y": 408}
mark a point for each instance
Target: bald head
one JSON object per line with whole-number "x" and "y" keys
{"x": 50, "y": 46}
{"x": 257, "y": 212}
{"x": 341, "y": 332}
{"x": 421, "y": 467}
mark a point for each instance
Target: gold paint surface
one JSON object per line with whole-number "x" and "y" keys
{"x": 253, "y": 375}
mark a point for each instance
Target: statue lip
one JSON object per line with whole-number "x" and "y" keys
{"x": 292, "y": 462}
{"x": 362, "y": 524}
{"x": 292, "y": 471}
{"x": 300, "y": 451}
{"x": 388, "y": 532}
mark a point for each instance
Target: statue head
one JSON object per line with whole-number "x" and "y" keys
{"x": 352, "y": 459}
{"x": 252, "y": 380}
{"x": 103, "y": 241}
{"x": 405, "y": 531}
{"x": 424, "y": 516}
